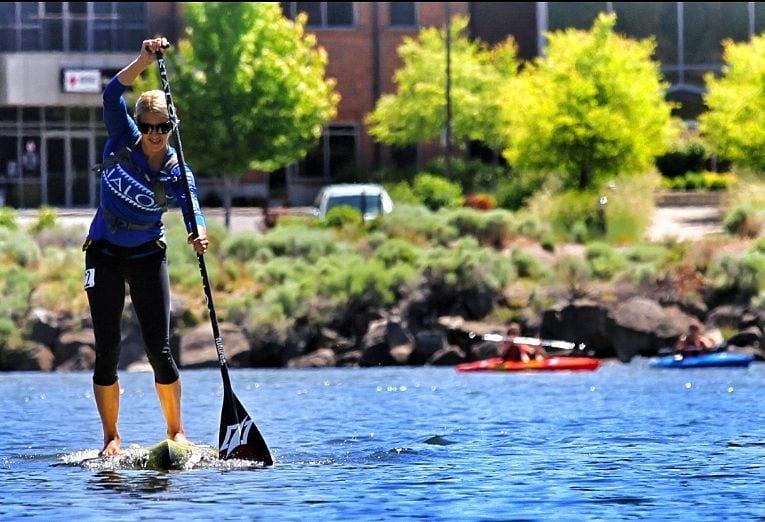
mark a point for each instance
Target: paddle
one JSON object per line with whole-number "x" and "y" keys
{"x": 238, "y": 436}
{"x": 531, "y": 341}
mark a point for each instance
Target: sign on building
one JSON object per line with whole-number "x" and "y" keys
{"x": 82, "y": 81}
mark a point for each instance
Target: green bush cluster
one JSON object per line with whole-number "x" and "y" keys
{"x": 472, "y": 175}
{"x": 690, "y": 157}
{"x": 744, "y": 221}
{"x": 738, "y": 278}
{"x": 698, "y": 181}
{"x": 8, "y": 218}
{"x": 436, "y": 192}
{"x": 467, "y": 265}
{"x": 604, "y": 261}
{"x": 490, "y": 228}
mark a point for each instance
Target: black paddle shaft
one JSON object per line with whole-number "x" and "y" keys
{"x": 238, "y": 436}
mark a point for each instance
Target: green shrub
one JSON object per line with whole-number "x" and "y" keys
{"x": 527, "y": 266}
{"x": 759, "y": 246}
{"x": 297, "y": 241}
{"x": 436, "y": 192}
{"x": 629, "y": 208}
{"x": 655, "y": 255}
{"x": 471, "y": 174}
{"x": 575, "y": 274}
{"x": 743, "y": 221}
{"x": 419, "y": 225}
{"x": 492, "y": 228}
{"x": 738, "y": 278}
{"x": 46, "y": 218}
{"x": 467, "y": 265}
{"x": 16, "y": 286}
{"x": 343, "y": 215}
{"x": 577, "y": 216}
{"x": 18, "y": 247}
{"x": 604, "y": 260}
{"x": 396, "y": 250}
{"x": 8, "y": 218}
{"x": 690, "y": 157}
{"x": 246, "y": 246}
{"x": 547, "y": 242}
{"x": 514, "y": 192}
{"x": 528, "y": 225}
{"x": 401, "y": 192}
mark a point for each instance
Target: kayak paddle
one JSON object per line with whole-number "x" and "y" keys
{"x": 238, "y": 436}
{"x": 531, "y": 341}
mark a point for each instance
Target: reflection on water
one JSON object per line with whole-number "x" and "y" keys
{"x": 131, "y": 483}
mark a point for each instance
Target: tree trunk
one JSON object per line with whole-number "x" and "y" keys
{"x": 584, "y": 177}
{"x": 227, "y": 188}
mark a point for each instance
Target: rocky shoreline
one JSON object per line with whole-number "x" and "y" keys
{"x": 409, "y": 334}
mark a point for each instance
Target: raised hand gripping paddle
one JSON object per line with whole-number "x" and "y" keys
{"x": 238, "y": 436}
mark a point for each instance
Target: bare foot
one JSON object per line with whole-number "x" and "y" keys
{"x": 180, "y": 437}
{"x": 111, "y": 448}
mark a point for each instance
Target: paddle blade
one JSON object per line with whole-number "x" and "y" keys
{"x": 239, "y": 437}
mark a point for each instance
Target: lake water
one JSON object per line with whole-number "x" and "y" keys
{"x": 416, "y": 443}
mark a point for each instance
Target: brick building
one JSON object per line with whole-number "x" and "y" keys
{"x": 51, "y": 132}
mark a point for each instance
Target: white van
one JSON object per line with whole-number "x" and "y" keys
{"x": 371, "y": 200}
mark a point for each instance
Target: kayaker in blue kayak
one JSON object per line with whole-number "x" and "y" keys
{"x": 515, "y": 352}
{"x": 693, "y": 342}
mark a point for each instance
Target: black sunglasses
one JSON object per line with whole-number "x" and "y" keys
{"x": 159, "y": 128}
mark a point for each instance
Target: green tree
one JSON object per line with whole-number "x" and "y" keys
{"x": 250, "y": 88}
{"x": 735, "y": 123}
{"x": 592, "y": 106}
{"x": 416, "y": 113}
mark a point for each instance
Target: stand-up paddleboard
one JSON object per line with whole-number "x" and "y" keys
{"x": 549, "y": 364}
{"x": 169, "y": 454}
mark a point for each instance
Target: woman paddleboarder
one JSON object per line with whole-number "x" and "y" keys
{"x": 139, "y": 178}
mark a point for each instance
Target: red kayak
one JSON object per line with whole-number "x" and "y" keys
{"x": 545, "y": 365}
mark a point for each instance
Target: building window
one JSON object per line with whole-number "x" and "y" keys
{"x": 403, "y": 14}
{"x": 322, "y": 14}
{"x": 72, "y": 26}
{"x": 336, "y": 155}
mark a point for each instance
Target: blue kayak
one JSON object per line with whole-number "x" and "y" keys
{"x": 707, "y": 360}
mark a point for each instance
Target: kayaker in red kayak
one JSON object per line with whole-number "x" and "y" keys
{"x": 693, "y": 342}
{"x": 515, "y": 352}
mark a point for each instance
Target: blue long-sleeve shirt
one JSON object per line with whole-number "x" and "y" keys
{"x": 129, "y": 196}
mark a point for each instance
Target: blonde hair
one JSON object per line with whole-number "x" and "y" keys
{"x": 152, "y": 101}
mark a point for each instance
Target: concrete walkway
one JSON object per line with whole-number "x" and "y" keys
{"x": 687, "y": 222}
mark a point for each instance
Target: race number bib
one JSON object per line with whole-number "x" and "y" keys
{"x": 90, "y": 278}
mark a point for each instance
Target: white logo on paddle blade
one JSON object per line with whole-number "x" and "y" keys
{"x": 236, "y": 435}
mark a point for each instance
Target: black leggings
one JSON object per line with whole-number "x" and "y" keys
{"x": 147, "y": 276}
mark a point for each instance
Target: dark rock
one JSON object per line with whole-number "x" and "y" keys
{"x": 582, "y": 321}
{"x": 45, "y": 326}
{"x": 84, "y": 359}
{"x": 69, "y": 343}
{"x": 198, "y": 347}
{"x": 331, "y": 339}
{"x": 725, "y": 316}
{"x": 749, "y": 320}
{"x": 755, "y": 351}
{"x": 642, "y": 326}
{"x": 351, "y": 358}
{"x": 377, "y": 355}
{"x": 478, "y": 302}
{"x": 402, "y": 354}
{"x": 132, "y": 347}
{"x": 266, "y": 346}
{"x": 32, "y": 357}
{"x": 301, "y": 340}
{"x": 142, "y": 366}
{"x": 321, "y": 358}
{"x": 751, "y": 336}
{"x": 384, "y": 336}
{"x": 449, "y": 356}
{"x": 484, "y": 350}
{"x": 465, "y": 334}
{"x": 426, "y": 344}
